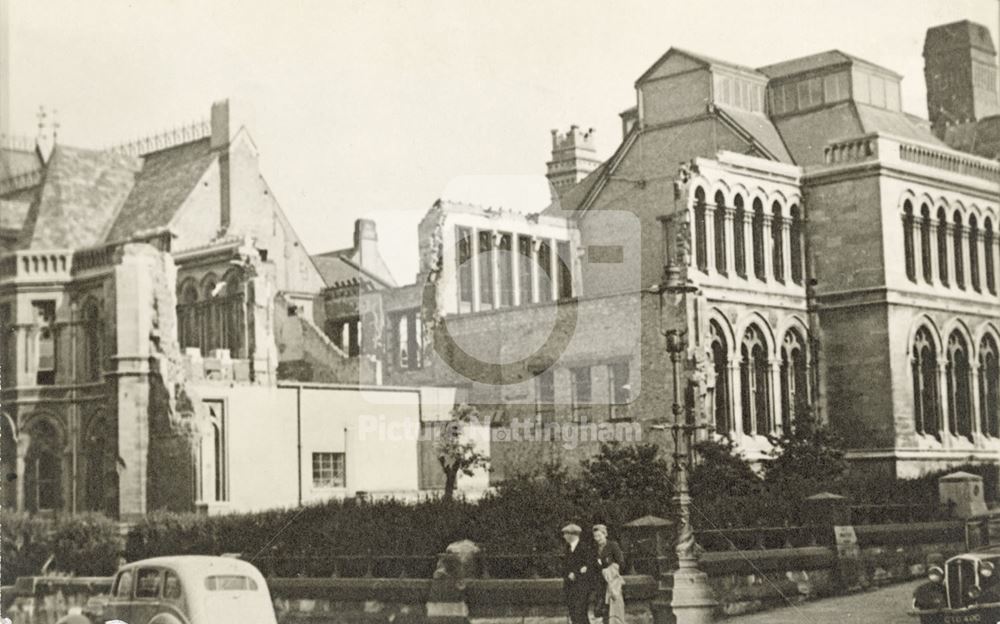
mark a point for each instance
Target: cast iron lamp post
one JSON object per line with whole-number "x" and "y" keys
{"x": 691, "y": 600}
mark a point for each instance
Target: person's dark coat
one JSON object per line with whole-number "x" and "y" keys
{"x": 578, "y": 575}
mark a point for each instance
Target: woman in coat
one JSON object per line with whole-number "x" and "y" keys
{"x": 611, "y": 565}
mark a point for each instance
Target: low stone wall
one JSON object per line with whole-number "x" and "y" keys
{"x": 742, "y": 581}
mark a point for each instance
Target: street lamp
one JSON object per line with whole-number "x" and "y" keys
{"x": 691, "y": 600}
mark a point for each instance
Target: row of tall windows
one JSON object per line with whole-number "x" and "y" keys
{"x": 944, "y": 386}
{"x": 728, "y": 227}
{"x": 501, "y": 269}
{"x": 212, "y": 314}
{"x": 760, "y": 376}
{"x": 586, "y": 404}
{"x": 966, "y": 250}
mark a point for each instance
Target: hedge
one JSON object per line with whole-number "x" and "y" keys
{"x": 86, "y": 545}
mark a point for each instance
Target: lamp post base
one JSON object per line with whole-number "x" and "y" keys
{"x": 685, "y": 598}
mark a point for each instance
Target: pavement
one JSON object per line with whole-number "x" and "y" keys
{"x": 887, "y": 605}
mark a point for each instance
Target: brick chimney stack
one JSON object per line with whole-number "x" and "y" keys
{"x": 960, "y": 69}
{"x": 366, "y": 243}
{"x": 220, "y": 142}
{"x": 574, "y": 155}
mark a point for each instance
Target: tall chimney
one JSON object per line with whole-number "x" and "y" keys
{"x": 366, "y": 243}
{"x": 960, "y": 69}
{"x": 574, "y": 155}
{"x": 220, "y": 143}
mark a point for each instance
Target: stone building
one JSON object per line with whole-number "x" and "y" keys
{"x": 844, "y": 257}
{"x": 152, "y": 297}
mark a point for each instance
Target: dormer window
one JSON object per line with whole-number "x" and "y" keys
{"x": 738, "y": 93}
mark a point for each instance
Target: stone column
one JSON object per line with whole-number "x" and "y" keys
{"x": 974, "y": 391}
{"x": 786, "y": 247}
{"x": 981, "y": 258}
{"x": 932, "y": 244}
{"x": 730, "y": 241}
{"x": 945, "y": 424}
{"x": 774, "y": 380}
{"x": 474, "y": 247}
{"x": 748, "y": 246}
{"x": 515, "y": 266}
{"x": 949, "y": 238}
{"x": 966, "y": 259}
{"x": 918, "y": 250}
{"x": 23, "y": 442}
{"x": 737, "y": 392}
{"x": 996, "y": 261}
{"x": 768, "y": 241}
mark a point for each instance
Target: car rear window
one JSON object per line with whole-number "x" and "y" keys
{"x": 229, "y": 582}
{"x": 148, "y": 583}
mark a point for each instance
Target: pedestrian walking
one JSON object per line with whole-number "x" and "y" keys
{"x": 577, "y": 572}
{"x": 610, "y": 565}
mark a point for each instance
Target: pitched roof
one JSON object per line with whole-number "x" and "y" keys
{"x": 165, "y": 181}
{"x": 760, "y": 130}
{"x": 13, "y": 214}
{"x": 18, "y": 159}
{"x": 875, "y": 119}
{"x": 337, "y": 267}
{"x": 701, "y": 59}
{"x": 81, "y": 191}
{"x": 813, "y": 62}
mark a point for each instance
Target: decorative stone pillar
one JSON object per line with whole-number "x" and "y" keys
{"x": 981, "y": 259}
{"x": 974, "y": 391}
{"x": 748, "y": 246}
{"x": 918, "y": 250}
{"x": 786, "y": 248}
{"x": 735, "y": 422}
{"x": 474, "y": 247}
{"x": 949, "y": 239}
{"x": 945, "y": 425}
{"x": 710, "y": 267}
{"x": 768, "y": 245}
{"x": 932, "y": 243}
{"x": 774, "y": 379}
{"x": 966, "y": 259}
{"x": 730, "y": 231}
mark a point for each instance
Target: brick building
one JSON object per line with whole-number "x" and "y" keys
{"x": 844, "y": 255}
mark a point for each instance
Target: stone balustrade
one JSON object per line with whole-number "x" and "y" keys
{"x": 37, "y": 265}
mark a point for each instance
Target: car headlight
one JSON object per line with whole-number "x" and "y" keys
{"x": 973, "y": 592}
{"x": 935, "y": 574}
{"x": 986, "y": 569}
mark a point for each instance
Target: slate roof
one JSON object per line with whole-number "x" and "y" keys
{"x": 165, "y": 181}
{"x": 81, "y": 191}
{"x": 762, "y": 131}
{"x": 813, "y": 62}
{"x": 336, "y": 267}
{"x": 15, "y": 160}
{"x": 13, "y": 214}
{"x": 699, "y": 58}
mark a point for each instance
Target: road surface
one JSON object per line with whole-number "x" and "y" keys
{"x": 887, "y": 605}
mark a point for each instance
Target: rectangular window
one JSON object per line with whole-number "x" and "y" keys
{"x": 409, "y": 340}
{"x": 861, "y": 87}
{"x": 463, "y": 260}
{"x": 777, "y": 101}
{"x": 346, "y": 334}
{"x": 581, "y": 394}
{"x": 148, "y": 583}
{"x": 791, "y": 97}
{"x": 757, "y": 99}
{"x": 620, "y": 391}
{"x": 45, "y": 341}
{"x": 565, "y": 271}
{"x": 816, "y": 91}
{"x": 524, "y": 268}
{"x": 544, "y": 271}
{"x": 486, "y": 269}
{"x": 328, "y": 470}
{"x": 214, "y": 450}
{"x": 545, "y": 395}
{"x": 505, "y": 270}
{"x": 803, "y": 95}
{"x": 892, "y": 95}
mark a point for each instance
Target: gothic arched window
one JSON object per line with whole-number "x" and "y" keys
{"x": 92, "y": 340}
{"x": 925, "y": 244}
{"x": 778, "y": 243}
{"x": 720, "y": 232}
{"x": 739, "y": 240}
{"x": 959, "y": 395}
{"x": 756, "y": 398}
{"x": 942, "y": 244}
{"x": 720, "y": 364}
{"x": 796, "y": 245}
{"x": 700, "y": 232}
{"x": 989, "y": 387}
{"x": 926, "y": 405}
{"x": 794, "y": 378}
{"x": 757, "y": 227}
{"x": 911, "y": 267}
{"x": 974, "y": 253}
{"x": 991, "y": 278}
{"x": 959, "y": 252}
{"x": 43, "y": 479}
{"x": 189, "y": 334}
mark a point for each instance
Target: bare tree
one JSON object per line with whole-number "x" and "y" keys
{"x": 455, "y": 454}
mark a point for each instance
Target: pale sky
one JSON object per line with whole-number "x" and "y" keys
{"x": 376, "y": 108}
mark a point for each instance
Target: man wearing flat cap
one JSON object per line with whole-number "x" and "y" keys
{"x": 578, "y": 561}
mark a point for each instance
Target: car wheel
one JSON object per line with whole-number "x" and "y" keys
{"x": 164, "y": 618}
{"x": 75, "y": 618}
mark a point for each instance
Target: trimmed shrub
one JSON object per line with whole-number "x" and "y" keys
{"x": 86, "y": 544}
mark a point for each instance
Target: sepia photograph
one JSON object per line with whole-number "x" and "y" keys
{"x": 473, "y": 312}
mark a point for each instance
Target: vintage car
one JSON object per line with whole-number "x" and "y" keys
{"x": 186, "y": 590}
{"x": 967, "y": 589}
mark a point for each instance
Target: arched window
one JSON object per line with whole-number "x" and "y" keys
{"x": 991, "y": 278}
{"x": 925, "y": 244}
{"x": 794, "y": 378}
{"x": 778, "y": 243}
{"x": 230, "y": 311}
{"x": 700, "y": 232}
{"x": 43, "y": 479}
{"x": 796, "y": 245}
{"x": 720, "y": 363}
{"x": 756, "y": 399}
{"x": 188, "y": 331}
{"x": 989, "y": 387}
{"x": 942, "y": 244}
{"x": 957, "y": 247}
{"x": 974, "y": 253}
{"x": 720, "y": 233}
{"x": 959, "y": 396}
{"x": 98, "y": 466}
{"x": 911, "y": 267}
{"x": 757, "y": 227}
{"x": 926, "y": 405}
{"x": 739, "y": 240}
{"x": 92, "y": 340}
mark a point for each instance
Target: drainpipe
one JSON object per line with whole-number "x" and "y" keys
{"x": 298, "y": 435}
